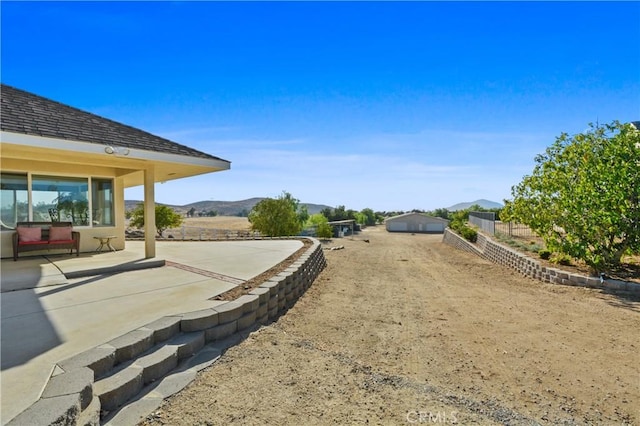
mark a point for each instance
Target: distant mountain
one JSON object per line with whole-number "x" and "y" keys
{"x": 223, "y": 208}
{"x": 485, "y": 204}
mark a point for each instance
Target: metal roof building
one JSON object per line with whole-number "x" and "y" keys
{"x": 416, "y": 223}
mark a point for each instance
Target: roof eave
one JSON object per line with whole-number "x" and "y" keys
{"x": 36, "y": 142}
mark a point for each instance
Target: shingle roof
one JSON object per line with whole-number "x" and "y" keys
{"x": 29, "y": 114}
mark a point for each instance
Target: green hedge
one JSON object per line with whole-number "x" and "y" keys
{"x": 465, "y": 230}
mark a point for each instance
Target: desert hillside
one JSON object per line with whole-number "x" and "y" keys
{"x": 224, "y": 208}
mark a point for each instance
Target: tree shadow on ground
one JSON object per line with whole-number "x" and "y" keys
{"x": 625, "y": 300}
{"x": 626, "y": 272}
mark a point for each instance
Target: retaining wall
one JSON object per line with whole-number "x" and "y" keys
{"x": 104, "y": 378}
{"x": 488, "y": 249}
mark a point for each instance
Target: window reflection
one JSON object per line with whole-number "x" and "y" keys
{"x": 59, "y": 199}
{"x": 14, "y": 199}
{"x": 55, "y": 199}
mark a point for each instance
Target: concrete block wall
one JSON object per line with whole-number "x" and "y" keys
{"x": 495, "y": 252}
{"x": 460, "y": 243}
{"x": 84, "y": 387}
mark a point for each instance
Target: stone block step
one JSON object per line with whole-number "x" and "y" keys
{"x": 158, "y": 363}
{"x": 128, "y": 379}
{"x": 120, "y": 386}
{"x": 152, "y": 395}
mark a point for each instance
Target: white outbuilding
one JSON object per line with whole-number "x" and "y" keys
{"x": 416, "y": 222}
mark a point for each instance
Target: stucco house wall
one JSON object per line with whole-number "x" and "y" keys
{"x": 87, "y": 242}
{"x": 42, "y": 140}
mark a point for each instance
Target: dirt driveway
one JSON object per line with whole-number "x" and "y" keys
{"x": 407, "y": 330}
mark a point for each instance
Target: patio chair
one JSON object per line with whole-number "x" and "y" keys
{"x": 54, "y": 215}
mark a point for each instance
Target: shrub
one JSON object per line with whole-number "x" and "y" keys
{"x": 323, "y": 229}
{"x": 533, "y": 248}
{"x": 469, "y": 234}
{"x": 561, "y": 259}
{"x": 544, "y": 254}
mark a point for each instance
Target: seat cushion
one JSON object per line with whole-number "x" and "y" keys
{"x": 60, "y": 233}
{"x": 61, "y": 242}
{"x": 28, "y": 235}
{"x": 33, "y": 243}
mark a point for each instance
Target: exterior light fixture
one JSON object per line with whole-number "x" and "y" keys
{"x": 114, "y": 150}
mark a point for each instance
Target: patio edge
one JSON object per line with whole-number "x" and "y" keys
{"x": 78, "y": 400}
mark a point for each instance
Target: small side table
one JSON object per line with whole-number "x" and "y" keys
{"x": 105, "y": 241}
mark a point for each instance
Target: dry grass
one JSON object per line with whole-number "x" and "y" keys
{"x": 211, "y": 228}
{"x": 219, "y": 222}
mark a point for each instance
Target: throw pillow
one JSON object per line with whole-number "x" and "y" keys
{"x": 28, "y": 235}
{"x": 59, "y": 233}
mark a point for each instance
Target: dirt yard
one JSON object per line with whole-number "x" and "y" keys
{"x": 407, "y": 330}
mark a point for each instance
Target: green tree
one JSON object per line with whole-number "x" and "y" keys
{"x": 583, "y": 196}
{"x": 327, "y": 212}
{"x": 277, "y": 217}
{"x": 302, "y": 212}
{"x": 74, "y": 206}
{"x": 166, "y": 218}
{"x": 339, "y": 213}
{"x": 368, "y": 216}
{"x": 441, "y": 212}
{"x": 323, "y": 229}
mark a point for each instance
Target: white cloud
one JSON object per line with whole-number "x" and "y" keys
{"x": 190, "y": 134}
{"x": 384, "y": 172}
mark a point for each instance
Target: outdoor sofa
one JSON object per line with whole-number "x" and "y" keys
{"x": 32, "y": 236}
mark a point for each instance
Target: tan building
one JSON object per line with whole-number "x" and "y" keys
{"x": 417, "y": 223}
{"x": 61, "y": 163}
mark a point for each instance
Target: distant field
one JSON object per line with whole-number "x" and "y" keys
{"x": 219, "y": 222}
{"x": 211, "y": 228}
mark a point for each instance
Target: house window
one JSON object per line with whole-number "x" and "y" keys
{"x": 55, "y": 199}
{"x": 102, "y": 202}
{"x": 14, "y": 199}
{"x": 60, "y": 199}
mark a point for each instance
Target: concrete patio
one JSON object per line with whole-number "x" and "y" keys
{"x": 56, "y": 306}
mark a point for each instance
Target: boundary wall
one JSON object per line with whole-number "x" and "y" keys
{"x": 506, "y": 256}
{"x": 484, "y": 220}
{"x": 91, "y": 388}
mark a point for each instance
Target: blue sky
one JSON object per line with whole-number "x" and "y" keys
{"x": 392, "y": 106}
